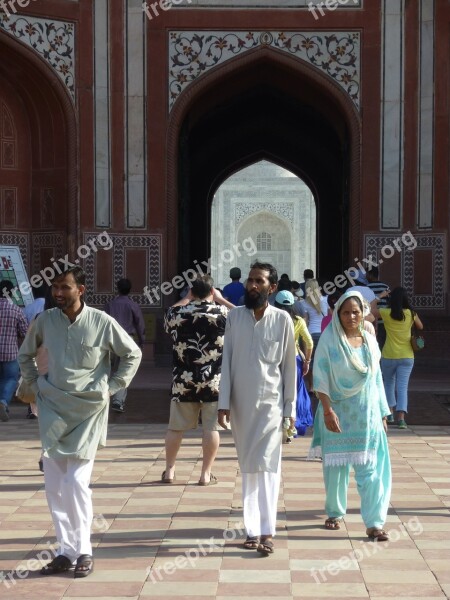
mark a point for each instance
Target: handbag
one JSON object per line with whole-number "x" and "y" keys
{"x": 24, "y": 392}
{"x": 417, "y": 340}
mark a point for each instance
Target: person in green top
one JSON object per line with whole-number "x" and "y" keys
{"x": 397, "y": 356}
{"x": 72, "y": 399}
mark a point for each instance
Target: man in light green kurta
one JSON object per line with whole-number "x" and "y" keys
{"x": 72, "y": 400}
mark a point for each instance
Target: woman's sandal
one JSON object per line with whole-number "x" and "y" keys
{"x": 376, "y": 534}
{"x": 265, "y": 547}
{"x": 333, "y": 523}
{"x": 84, "y": 566}
{"x": 59, "y": 564}
{"x": 165, "y": 479}
{"x": 252, "y": 542}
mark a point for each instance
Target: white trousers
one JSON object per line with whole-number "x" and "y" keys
{"x": 260, "y": 493}
{"x": 70, "y": 503}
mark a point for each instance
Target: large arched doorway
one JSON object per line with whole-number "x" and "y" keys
{"x": 264, "y": 106}
{"x": 38, "y": 166}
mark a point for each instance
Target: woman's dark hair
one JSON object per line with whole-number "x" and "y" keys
{"x": 398, "y": 303}
{"x": 333, "y": 298}
{"x": 289, "y": 308}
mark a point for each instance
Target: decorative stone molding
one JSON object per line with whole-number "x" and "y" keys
{"x": 53, "y": 40}
{"x": 53, "y": 240}
{"x": 244, "y": 210}
{"x": 433, "y": 242}
{"x": 151, "y": 243}
{"x": 193, "y": 53}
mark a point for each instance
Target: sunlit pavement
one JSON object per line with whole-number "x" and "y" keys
{"x": 184, "y": 541}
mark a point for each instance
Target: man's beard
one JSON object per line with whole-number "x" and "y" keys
{"x": 255, "y": 301}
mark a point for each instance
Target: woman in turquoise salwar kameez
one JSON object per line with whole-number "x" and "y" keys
{"x": 350, "y": 422}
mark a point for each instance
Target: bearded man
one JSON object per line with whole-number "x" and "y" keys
{"x": 257, "y": 391}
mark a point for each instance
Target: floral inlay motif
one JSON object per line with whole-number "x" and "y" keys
{"x": 51, "y": 39}
{"x": 192, "y": 53}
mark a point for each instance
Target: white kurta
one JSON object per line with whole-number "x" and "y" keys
{"x": 258, "y": 384}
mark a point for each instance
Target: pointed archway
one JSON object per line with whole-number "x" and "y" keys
{"x": 264, "y": 105}
{"x": 45, "y": 178}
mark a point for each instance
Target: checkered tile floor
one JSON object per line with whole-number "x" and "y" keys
{"x": 184, "y": 541}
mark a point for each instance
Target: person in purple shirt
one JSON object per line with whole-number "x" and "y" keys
{"x": 234, "y": 290}
{"x": 129, "y": 315}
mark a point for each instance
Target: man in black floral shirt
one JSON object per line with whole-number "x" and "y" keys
{"x": 197, "y": 326}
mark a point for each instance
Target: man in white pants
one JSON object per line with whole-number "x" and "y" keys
{"x": 72, "y": 400}
{"x": 257, "y": 391}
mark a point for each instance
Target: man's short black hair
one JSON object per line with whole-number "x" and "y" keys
{"x": 78, "y": 274}
{"x": 308, "y": 274}
{"x": 202, "y": 286}
{"x": 273, "y": 275}
{"x": 284, "y": 284}
{"x": 123, "y": 286}
{"x": 6, "y": 284}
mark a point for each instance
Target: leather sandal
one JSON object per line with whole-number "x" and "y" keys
{"x": 252, "y": 542}
{"x": 84, "y": 566}
{"x": 59, "y": 564}
{"x": 333, "y": 523}
{"x": 376, "y": 534}
{"x": 265, "y": 547}
{"x": 165, "y": 479}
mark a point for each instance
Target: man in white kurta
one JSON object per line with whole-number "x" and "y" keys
{"x": 257, "y": 391}
{"x": 73, "y": 399}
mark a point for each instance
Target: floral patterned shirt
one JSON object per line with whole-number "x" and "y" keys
{"x": 197, "y": 331}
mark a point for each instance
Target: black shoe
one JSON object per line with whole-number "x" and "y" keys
{"x": 41, "y": 465}
{"x": 4, "y": 412}
{"x": 116, "y": 407}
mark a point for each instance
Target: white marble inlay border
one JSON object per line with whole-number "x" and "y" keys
{"x": 335, "y": 53}
{"x": 52, "y": 39}
{"x": 242, "y": 4}
{"x": 425, "y": 188}
{"x": 136, "y": 122}
{"x": 392, "y": 109}
{"x": 102, "y": 115}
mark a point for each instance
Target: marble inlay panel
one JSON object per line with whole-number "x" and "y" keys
{"x": 240, "y": 4}
{"x": 335, "y": 53}
{"x": 437, "y": 244}
{"x": 52, "y": 39}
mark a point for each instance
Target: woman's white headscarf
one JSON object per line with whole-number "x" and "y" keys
{"x": 338, "y": 368}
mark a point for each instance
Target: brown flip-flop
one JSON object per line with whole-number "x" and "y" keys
{"x": 165, "y": 479}
{"x": 212, "y": 481}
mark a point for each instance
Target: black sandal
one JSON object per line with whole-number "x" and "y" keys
{"x": 59, "y": 564}
{"x": 252, "y": 542}
{"x": 265, "y": 547}
{"x": 84, "y": 566}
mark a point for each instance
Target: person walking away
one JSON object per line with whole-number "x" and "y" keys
{"x": 13, "y": 328}
{"x": 315, "y": 306}
{"x": 196, "y": 325}
{"x": 234, "y": 290}
{"x": 397, "y": 356}
{"x": 378, "y": 287}
{"x": 72, "y": 401}
{"x": 350, "y": 422}
{"x": 129, "y": 315}
{"x": 257, "y": 391}
{"x": 303, "y": 419}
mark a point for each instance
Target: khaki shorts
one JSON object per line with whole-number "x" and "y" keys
{"x": 184, "y": 415}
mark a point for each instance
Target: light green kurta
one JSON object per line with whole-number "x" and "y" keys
{"x": 258, "y": 384}
{"x": 73, "y": 397}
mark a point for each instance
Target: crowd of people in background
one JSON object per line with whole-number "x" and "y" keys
{"x": 250, "y": 356}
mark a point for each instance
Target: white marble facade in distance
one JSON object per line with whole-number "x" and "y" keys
{"x": 269, "y": 212}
